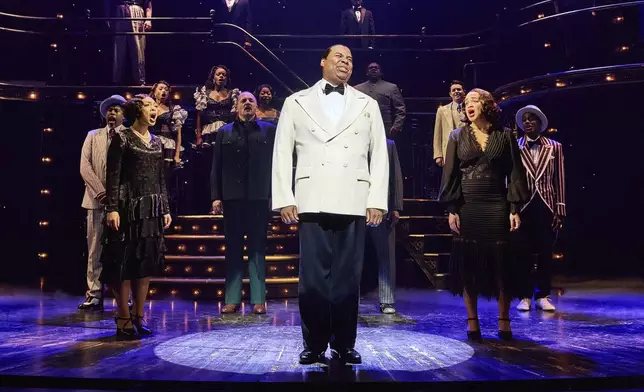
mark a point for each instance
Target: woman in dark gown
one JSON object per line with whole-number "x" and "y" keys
{"x": 214, "y": 104}
{"x": 265, "y": 110}
{"x": 170, "y": 120}
{"x": 137, "y": 213}
{"x": 481, "y": 159}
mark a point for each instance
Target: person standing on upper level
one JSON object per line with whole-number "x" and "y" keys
{"x": 358, "y": 20}
{"x": 448, "y": 118}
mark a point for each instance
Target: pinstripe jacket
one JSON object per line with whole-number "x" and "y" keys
{"x": 93, "y": 166}
{"x": 546, "y": 178}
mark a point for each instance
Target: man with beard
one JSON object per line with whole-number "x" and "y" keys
{"x": 93, "y": 171}
{"x": 358, "y": 20}
{"x": 240, "y": 184}
{"x": 448, "y": 118}
{"x": 334, "y": 129}
{"x": 543, "y": 215}
{"x": 389, "y": 99}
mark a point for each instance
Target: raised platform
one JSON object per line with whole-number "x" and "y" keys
{"x": 195, "y": 261}
{"x": 593, "y": 342}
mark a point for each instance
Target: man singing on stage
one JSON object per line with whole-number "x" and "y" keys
{"x": 333, "y": 129}
{"x": 93, "y": 171}
{"x": 543, "y": 215}
{"x": 240, "y": 184}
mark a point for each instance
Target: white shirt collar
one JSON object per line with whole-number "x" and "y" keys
{"x": 528, "y": 138}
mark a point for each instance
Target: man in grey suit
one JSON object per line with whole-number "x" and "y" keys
{"x": 389, "y": 98}
{"x": 93, "y": 170}
{"x": 383, "y": 237}
{"x": 448, "y": 118}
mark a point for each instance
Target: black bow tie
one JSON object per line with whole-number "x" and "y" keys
{"x": 328, "y": 89}
{"x": 357, "y": 7}
{"x": 530, "y": 143}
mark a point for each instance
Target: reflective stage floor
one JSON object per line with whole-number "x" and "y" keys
{"x": 595, "y": 341}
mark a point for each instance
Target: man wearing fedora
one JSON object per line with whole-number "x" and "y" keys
{"x": 93, "y": 169}
{"x": 542, "y": 216}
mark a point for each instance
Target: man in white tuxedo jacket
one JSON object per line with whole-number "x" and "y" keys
{"x": 333, "y": 129}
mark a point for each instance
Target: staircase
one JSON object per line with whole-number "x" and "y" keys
{"x": 195, "y": 266}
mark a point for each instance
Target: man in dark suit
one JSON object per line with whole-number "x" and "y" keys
{"x": 383, "y": 237}
{"x": 389, "y": 98}
{"x": 236, "y": 12}
{"x": 542, "y": 216}
{"x": 240, "y": 188}
{"x": 358, "y": 20}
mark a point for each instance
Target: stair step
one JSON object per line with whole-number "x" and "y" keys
{"x": 290, "y": 280}
{"x": 223, "y": 258}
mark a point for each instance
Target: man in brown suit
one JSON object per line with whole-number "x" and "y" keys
{"x": 448, "y": 118}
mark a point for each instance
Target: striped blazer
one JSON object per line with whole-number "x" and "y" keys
{"x": 93, "y": 166}
{"x": 546, "y": 179}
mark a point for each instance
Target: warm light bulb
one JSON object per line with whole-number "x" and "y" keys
{"x": 560, "y": 83}
{"x": 215, "y": 227}
{"x": 553, "y": 130}
{"x": 220, "y": 293}
{"x": 619, "y": 19}
{"x": 45, "y": 192}
{"x": 541, "y": 16}
{"x": 176, "y": 96}
{"x": 195, "y": 228}
{"x": 222, "y": 248}
{"x": 48, "y": 130}
{"x": 293, "y": 228}
{"x": 181, "y": 248}
{"x": 33, "y": 95}
{"x": 210, "y": 269}
{"x": 177, "y": 228}
{"x": 610, "y": 78}
{"x": 196, "y": 292}
{"x": 81, "y": 96}
{"x": 243, "y": 292}
{"x": 188, "y": 269}
{"x": 291, "y": 268}
{"x": 279, "y": 247}
{"x": 45, "y": 160}
{"x": 273, "y": 268}
{"x": 174, "y": 292}
{"x": 202, "y": 248}
{"x": 128, "y": 96}
{"x": 53, "y": 45}
{"x": 42, "y": 255}
{"x": 547, "y": 45}
{"x": 275, "y": 228}
{"x": 285, "y": 291}
{"x": 59, "y": 16}
{"x": 43, "y": 223}
{"x": 168, "y": 268}
{"x": 152, "y": 291}
{"x": 558, "y": 256}
{"x": 623, "y": 48}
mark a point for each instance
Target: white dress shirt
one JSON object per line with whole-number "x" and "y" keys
{"x": 333, "y": 104}
{"x": 534, "y": 149}
{"x": 358, "y": 15}
{"x": 230, "y": 4}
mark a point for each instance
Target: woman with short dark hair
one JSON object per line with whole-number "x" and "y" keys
{"x": 484, "y": 185}
{"x": 137, "y": 213}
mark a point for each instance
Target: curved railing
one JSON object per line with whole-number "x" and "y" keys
{"x": 578, "y": 11}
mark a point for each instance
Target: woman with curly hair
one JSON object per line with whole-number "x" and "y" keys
{"x": 265, "y": 109}
{"x": 170, "y": 120}
{"x": 137, "y": 213}
{"x": 214, "y": 104}
{"x": 484, "y": 184}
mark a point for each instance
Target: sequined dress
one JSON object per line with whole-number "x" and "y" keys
{"x": 136, "y": 188}
{"x": 214, "y": 116}
{"x": 166, "y": 128}
{"x": 483, "y": 187}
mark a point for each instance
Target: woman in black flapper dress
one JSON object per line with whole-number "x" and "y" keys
{"x": 214, "y": 104}
{"x": 137, "y": 213}
{"x": 484, "y": 184}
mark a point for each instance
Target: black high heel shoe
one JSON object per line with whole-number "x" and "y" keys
{"x": 505, "y": 335}
{"x": 140, "y": 327}
{"x": 125, "y": 333}
{"x": 474, "y": 336}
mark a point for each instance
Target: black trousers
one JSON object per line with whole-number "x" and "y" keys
{"x": 537, "y": 236}
{"x": 246, "y": 217}
{"x": 331, "y": 259}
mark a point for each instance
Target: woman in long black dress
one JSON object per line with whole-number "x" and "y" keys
{"x": 137, "y": 213}
{"x": 484, "y": 185}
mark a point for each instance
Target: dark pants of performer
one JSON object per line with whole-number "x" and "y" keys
{"x": 134, "y": 45}
{"x": 246, "y": 217}
{"x": 536, "y": 236}
{"x": 383, "y": 239}
{"x": 331, "y": 258}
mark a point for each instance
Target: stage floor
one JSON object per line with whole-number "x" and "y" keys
{"x": 595, "y": 338}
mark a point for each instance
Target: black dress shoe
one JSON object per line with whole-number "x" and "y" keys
{"x": 91, "y": 303}
{"x": 348, "y": 355}
{"x": 309, "y": 357}
{"x": 141, "y": 328}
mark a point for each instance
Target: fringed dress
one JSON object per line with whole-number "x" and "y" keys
{"x": 483, "y": 188}
{"x": 136, "y": 189}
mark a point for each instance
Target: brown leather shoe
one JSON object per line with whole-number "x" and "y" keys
{"x": 230, "y": 308}
{"x": 259, "y": 309}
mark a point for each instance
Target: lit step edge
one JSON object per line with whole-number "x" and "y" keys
{"x": 222, "y": 258}
{"x": 220, "y": 280}
{"x": 220, "y": 236}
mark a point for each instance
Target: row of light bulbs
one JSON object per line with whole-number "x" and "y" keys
{"x": 81, "y": 96}
{"x": 222, "y": 248}
{"x": 211, "y": 269}
{"x": 197, "y": 292}
{"x": 617, "y": 20}
{"x": 196, "y": 228}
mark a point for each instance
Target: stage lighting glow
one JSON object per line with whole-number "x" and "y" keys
{"x": 382, "y": 350}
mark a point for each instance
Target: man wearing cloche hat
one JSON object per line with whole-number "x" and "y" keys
{"x": 543, "y": 215}
{"x": 92, "y": 170}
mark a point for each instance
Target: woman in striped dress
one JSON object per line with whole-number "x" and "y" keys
{"x": 484, "y": 185}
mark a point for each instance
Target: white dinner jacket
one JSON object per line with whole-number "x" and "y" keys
{"x": 333, "y": 174}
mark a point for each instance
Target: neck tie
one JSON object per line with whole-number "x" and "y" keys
{"x": 531, "y": 143}
{"x": 328, "y": 89}
{"x": 459, "y": 107}
{"x": 111, "y": 132}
